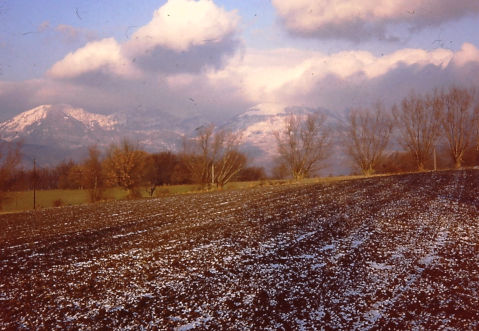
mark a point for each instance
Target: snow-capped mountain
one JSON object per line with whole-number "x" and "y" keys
{"x": 258, "y": 125}
{"x": 59, "y": 124}
{"x": 52, "y": 133}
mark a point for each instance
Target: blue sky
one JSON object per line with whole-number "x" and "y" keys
{"x": 108, "y": 56}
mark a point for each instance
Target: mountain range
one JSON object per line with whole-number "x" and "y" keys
{"x": 52, "y": 133}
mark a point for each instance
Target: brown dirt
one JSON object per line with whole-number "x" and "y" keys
{"x": 399, "y": 252}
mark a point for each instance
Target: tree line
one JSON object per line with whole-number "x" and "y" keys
{"x": 425, "y": 131}
{"x": 438, "y": 127}
{"x": 211, "y": 158}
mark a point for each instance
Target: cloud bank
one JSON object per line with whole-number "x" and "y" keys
{"x": 288, "y": 76}
{"x": 343, "y": 79}
{"x": 183, "y": 36}
{"x": 367, "y": 19}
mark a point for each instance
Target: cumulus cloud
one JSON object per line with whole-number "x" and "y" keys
{"x": 183, "y": 36}
{"x": 103, "y": 56}
{"x": 182, "y": 24}
{"x": 288, "y": 76}
{"x": 359, "y": 20}
{"x": 338, "y": 81}
{"x": 468, "y": 54}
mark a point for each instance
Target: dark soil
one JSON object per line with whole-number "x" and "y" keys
{"x": 399, "y": 252}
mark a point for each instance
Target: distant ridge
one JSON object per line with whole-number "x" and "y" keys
{"x": 53, "y": 133}
{"x": 30, "y": 121}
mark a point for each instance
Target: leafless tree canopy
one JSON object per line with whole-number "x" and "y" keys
{"x": 229, "y": 161}
{"x": 460, "y": 121}
{"x": 197, "y": 154}
{"x": 213, "y": 156}
{"x": 303, "y": 144}
{"x": 367, "y": 136}
{"x": 418, "y": 121}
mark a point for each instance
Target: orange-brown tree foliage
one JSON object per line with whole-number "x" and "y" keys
{"x": 124, "y": 166}
{"x": 10, "y": 157}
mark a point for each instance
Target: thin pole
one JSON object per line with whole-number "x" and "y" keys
{"x": 435, "y": 161}
{"x": 212, "y": 174}
{"x": 34, "y": 184}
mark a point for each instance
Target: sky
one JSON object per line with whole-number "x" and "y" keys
{"x": 216, "y": 59}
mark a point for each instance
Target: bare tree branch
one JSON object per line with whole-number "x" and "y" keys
{"x": 303, "y": 144}
{"x": 213, "y": 156}
{"x": 460, "y": 120}
{"x": 367, "y": 137}
{"x": 419, "y": 125}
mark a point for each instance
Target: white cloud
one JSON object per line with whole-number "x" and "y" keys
{"x": 357, "y": 20}
{"x": 295, "y": 77}
{"x": 468, "y": 53}
{"x": 103, "y": 56}
{"x": 182, "y": 24}
{"x": 184, "y": 36}
{"x": 288, "y": 76}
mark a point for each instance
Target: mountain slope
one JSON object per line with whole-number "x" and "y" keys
{"x": 59, "y": 125}
{"x": 259, "y": 123}
{"x": 52, "y": 133}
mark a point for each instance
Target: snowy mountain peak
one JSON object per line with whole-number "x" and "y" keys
{"x": 25, "y": 119}
{"x": 51, "y": 133}
{"x": 90, "y": 119}
{"x": 36, "y": 116}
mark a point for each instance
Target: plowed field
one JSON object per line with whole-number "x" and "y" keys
{"x": 398, "y": 252}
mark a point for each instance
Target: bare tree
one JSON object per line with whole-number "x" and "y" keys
{"x": 367, "y": 137}
{"x": 229, "y": 160}
{"x": 124, "y": 166}
{"x": 419, "y": 125}
{"x": 212, "y": 157}
{"x": 303, "y": 144}
{"x": 197, "y": 153}
{"x": 93, "y": 178}
{"x": 10, "y": 157}
{"x": 460, "y": 120}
